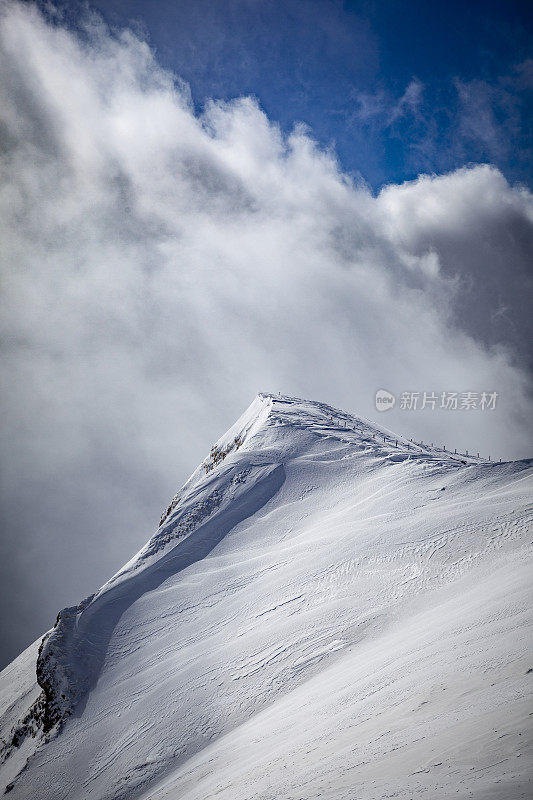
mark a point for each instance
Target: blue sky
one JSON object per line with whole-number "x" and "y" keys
{"x": 397, "y": 88}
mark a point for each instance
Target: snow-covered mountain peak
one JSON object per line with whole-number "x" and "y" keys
{"x": 276, "y": 426}
{"x": 316, "y": 571}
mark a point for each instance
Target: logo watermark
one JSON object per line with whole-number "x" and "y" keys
{"x": 448, "y": 401}
{"x": 384, "y": 400}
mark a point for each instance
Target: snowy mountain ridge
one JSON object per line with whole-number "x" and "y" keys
{"x": 304, "y": 540}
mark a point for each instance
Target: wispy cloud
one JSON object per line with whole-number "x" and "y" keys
{"x": 382, "y": 109}
{"x": 492, "y": 117}
{"x": 461, "y": 121}
{"x": 161, "y": 267}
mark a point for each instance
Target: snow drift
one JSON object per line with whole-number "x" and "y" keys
{"x": 326, "y": 610}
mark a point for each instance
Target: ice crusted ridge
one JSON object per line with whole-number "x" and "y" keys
{"x": 220, "y": 493}
{"x": 58, "y": 673}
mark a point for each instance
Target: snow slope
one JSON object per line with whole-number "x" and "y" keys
{"x": 326, "y": 610}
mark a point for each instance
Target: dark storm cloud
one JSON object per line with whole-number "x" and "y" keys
{"x": 160, "y": 267}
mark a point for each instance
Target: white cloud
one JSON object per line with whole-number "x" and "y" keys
{"x": 160, "y": 268}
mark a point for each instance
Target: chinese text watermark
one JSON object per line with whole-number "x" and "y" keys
{"x": 449, "y": 401}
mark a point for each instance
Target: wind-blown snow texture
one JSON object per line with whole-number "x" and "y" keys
{"x": 326, "y": 610}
